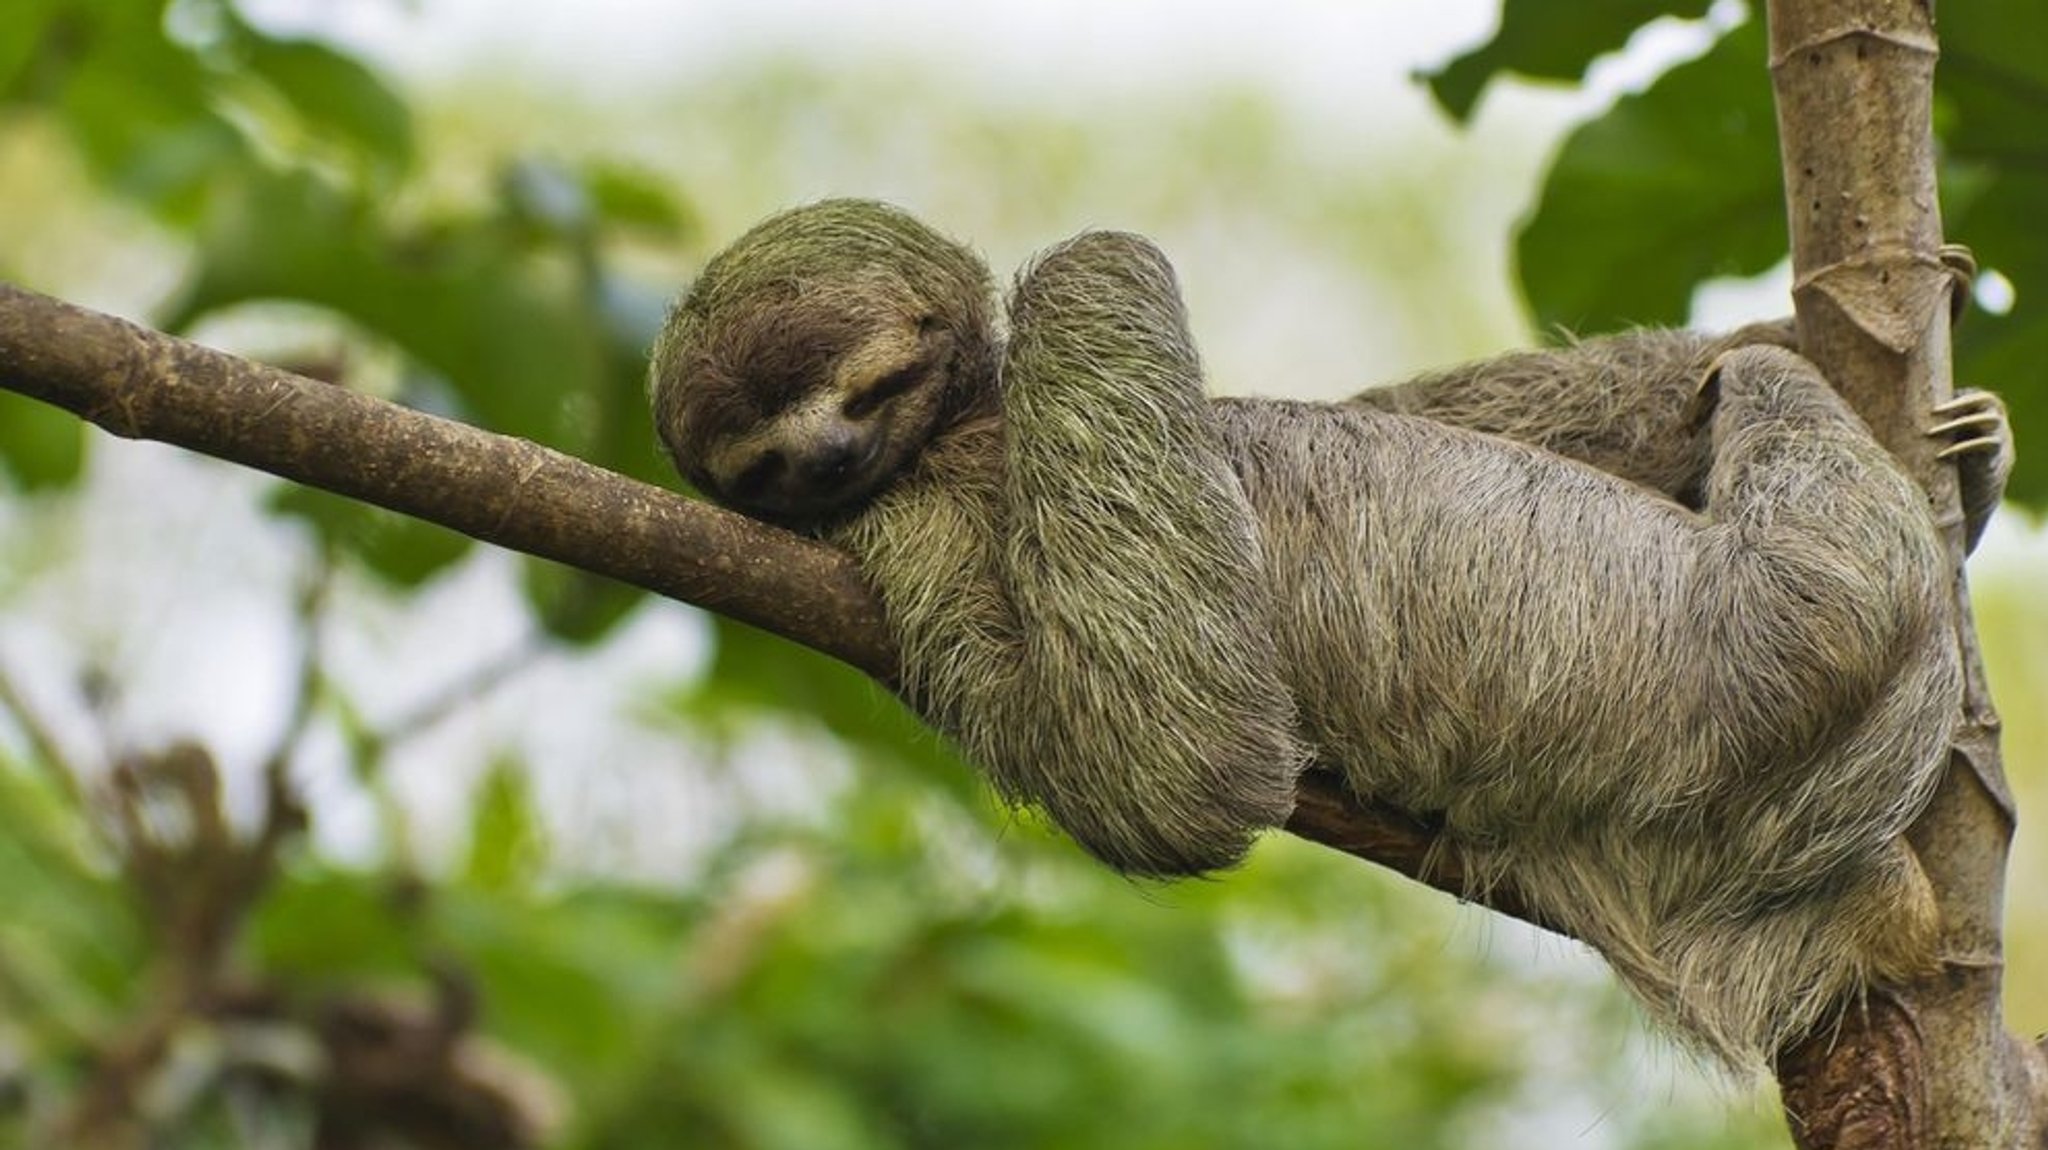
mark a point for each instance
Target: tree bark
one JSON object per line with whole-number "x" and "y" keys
{"x": 1928, "y": 1064}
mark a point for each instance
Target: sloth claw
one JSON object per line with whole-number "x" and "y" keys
{"x": 1979, "y": 442}
{"x": 1978, "y": 424}
{"x": 1969, "y": 447}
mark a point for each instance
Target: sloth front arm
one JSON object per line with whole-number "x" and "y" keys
{"x": 1091, "y": 620}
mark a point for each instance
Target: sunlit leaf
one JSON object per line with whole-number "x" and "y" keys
{"x": 1537, "y": 40}
{"x": 1993, "y": 87}
{"x": 23, "y": 26}
{"x": 507, "y": 842}
{"x": 70, "y": 940}
{"x": 40, "y": 445}
{"x": 1673, "y": 186}
{"x": 504, "y": 330}
{"x": 336, "y": 94}
{"x": 641, "y": 200}
{"x": 401, "y": 549}
{"x": 576, "y": 606}
{"x": 138, "y": 107}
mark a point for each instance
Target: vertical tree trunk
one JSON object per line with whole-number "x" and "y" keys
{"x": 1929, "y": 1064}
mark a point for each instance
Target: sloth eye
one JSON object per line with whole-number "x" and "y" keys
{"x": 885, "y": 389}
{"x": 757, "y": 474}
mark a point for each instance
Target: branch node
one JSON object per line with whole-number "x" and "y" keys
{"x": 1912, "y": 43}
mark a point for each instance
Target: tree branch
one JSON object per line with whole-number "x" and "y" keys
{"x": 141, "y": 384}
{"x": 1928, "y": 1064}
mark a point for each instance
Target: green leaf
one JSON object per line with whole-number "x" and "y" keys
{"x": 576, "y": 606}
{"x": 335, "y": 94}
{"x": 1681, "y": 183}
{"x": 1539, "y": 40}
{"x": 513, "y": 340}
{"x": 404, "y": 551}
{"x": 1994, "y": 78}
{"x": 641, "y": 200}
{"x": 754, "y": 674}
{"x": 140, "y": 110}
{"x": 1671, "y": 187}
{"x": 507, "y": 843}
{"x": 40, "y": 445}
{"x": 1993, "y": 88}
{"x": 586, "y": 979}
{"x": 23, "y": 26}
{"x": 324, "y": 925}
{"x": 2006, "y": 353}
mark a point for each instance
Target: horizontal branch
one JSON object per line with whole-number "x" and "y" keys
{"x": 142, "y": 384}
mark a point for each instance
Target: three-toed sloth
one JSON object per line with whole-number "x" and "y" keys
{"x": 1650, "y": 625}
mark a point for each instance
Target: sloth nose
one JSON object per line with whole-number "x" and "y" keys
{"x": 832, "y": 460}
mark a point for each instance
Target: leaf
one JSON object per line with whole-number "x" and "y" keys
{"x": 329, "y": 924}
{"x": 1993, "y": 91}
{"x": 514, "y": 342}
{"x": 755, "y": 674}
{"x": 641, "y": 200}
{"x": 335, "y": 94}
{"x": 23, "y": 27}
{"x": 507, "y": 843}
{"x": 40, "y": 445}
{"x": 405, "y": 551}
{"x": 1673, "y": 186}
{"x": 1538, "y": 40}
{"x": 139, "y": 109}
{"x": 1681, "y": 183}
{"x": 576, "y": 606}
{"x": 2006, "y": 353}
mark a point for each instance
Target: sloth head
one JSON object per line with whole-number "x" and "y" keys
{"x": 815, "y": 357}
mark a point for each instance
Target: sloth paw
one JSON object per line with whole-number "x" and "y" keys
{"x": 1976, "y": 425}
{"x": 1976, "y": 436}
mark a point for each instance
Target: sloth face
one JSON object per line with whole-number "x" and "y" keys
{"x": 810, "y": 425}
{"x": 816, "y": 357}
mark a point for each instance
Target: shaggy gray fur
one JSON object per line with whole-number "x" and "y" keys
{"x": 1688, "y": 696}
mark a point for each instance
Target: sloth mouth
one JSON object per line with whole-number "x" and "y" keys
{"x": 832, "y": 493}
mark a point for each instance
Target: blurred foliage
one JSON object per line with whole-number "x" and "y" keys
{"x": 1680, "y": 182}
{"x": 281, "y": 159}
{"x": 894, "y": 964}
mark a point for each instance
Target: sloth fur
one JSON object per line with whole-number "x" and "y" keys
{"x": 1649, "y": 624}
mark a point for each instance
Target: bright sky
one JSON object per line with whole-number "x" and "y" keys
{"x": 1329, "y": 55}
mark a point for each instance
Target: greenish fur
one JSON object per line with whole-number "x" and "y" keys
{"x": 1677, "y": 661}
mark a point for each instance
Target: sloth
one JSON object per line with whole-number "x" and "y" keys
{"x": 1649, "y": 625}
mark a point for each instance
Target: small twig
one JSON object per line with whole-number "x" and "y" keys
{"x": 309, "y": 610}
{"x": 466, "y": 689}
{"x": 44, "y": 748}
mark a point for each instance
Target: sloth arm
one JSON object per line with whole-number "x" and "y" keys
{"x": 1626, "y": 404}
{"x": 1091, "y": 620}
{"x": 1820, "y": 577}
{"x": 1623, "y": 403}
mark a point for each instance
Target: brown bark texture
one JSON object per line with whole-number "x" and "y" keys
{"x": 1930, "y": 1064}
{"x": 142, "y": 384}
